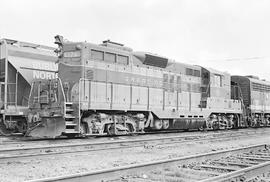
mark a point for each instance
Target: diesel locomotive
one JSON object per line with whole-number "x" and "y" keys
{"x": 109, "y": 89}
{"x": 255, "y": 94}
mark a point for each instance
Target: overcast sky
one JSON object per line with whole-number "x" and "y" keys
{"x": 202, "y": 32}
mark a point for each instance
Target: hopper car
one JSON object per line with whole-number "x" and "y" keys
{"x": 20, "y": 64}
{"x": 109, "y": 89}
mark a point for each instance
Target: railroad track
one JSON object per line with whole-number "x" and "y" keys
{"x": 250, "y": 163}
{"x": 28, "y": 152}
{"x": 23, "y": 142}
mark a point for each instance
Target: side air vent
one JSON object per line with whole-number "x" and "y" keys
{"x": 90, "y": 74}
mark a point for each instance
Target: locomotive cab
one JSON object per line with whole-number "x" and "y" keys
{"x": 224, "y": 112}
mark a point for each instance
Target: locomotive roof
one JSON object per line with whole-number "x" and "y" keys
{"x": 214, "y": 71}
{"x": 111, "y": 46}
{"x": 162, "y": 62}
{"x": 264, "y": 82}
{"x": 254, "y": 80}
{"x": 176, "y": 65}
{"x": 140, "y": 55}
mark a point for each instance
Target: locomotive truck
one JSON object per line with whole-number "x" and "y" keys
{"x": 109, "y": 89}
{"x": 20, "y": 64}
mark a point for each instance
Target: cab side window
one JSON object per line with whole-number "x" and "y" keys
{"x": 97, "y": 55}
{"x": 122, "y": 59}
{"x": 110, "y": 57}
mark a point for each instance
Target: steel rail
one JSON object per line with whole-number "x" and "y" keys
{"x": 115, "y": 173}
{"x": 38, "y": 140}
{"x": 91, "y": 143}
{"x": 244, "y": 174}
{"x": 111, "y": 145}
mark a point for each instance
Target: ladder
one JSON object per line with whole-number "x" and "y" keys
{"x": 71, "y": 120}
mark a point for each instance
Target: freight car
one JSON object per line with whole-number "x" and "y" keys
{"x": 110, "y": 89}
{"x": 20, "y": 63}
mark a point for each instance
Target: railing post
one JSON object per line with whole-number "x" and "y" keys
{"x": 16, "y": 89}
{"x": 6, "y": 74}
{"x": 1, "y": 86}
{"x": 79, "y": 106}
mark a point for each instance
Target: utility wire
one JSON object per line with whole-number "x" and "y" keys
{"x": 239, "y": 59}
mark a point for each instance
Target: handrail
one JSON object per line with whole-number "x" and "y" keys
{"x": 6, "y": 73}
{"x": 62, "y": 89}
{"x": 31, "y": 91}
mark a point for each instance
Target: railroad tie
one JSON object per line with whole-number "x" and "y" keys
{"x": 201, "y": 172}
{"x": 219, "y": 167}
{"x": 254, "y": 158}
{"x": 233, "y": 163}
{"x": 263, "y": 154}
{"x": 163, "y": 177}
{"x": 257, "y": 156}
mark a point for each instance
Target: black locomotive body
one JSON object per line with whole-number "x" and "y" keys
{"x": 255, "y": 94}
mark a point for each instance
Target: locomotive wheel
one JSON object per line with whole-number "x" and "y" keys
{"x": 201, "y": 129}
{"x": 3, "y": 130}
{"x": 158, "y": 124}
{"x": 131, "y": 129}
{"x": 268, "y": 122}
{"x": 253, "y": 124}
{"x": 113, "y": 130}
{"x": 84, "y": 129}
{"x": 215, "y": 125}
{"x": 165, "y": 124}
{"x": 110, "y": 129}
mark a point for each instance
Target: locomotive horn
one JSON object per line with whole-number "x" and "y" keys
{"x": 59, "y": 40}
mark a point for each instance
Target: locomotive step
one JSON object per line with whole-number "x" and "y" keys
{"x": 69, "y": 110}
{"x": 67, "y": 131}
{"x": 68, "y": 123}
{"x": 69, "y": 116}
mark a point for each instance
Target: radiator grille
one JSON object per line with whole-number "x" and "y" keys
{"x": 156, "y": 61}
